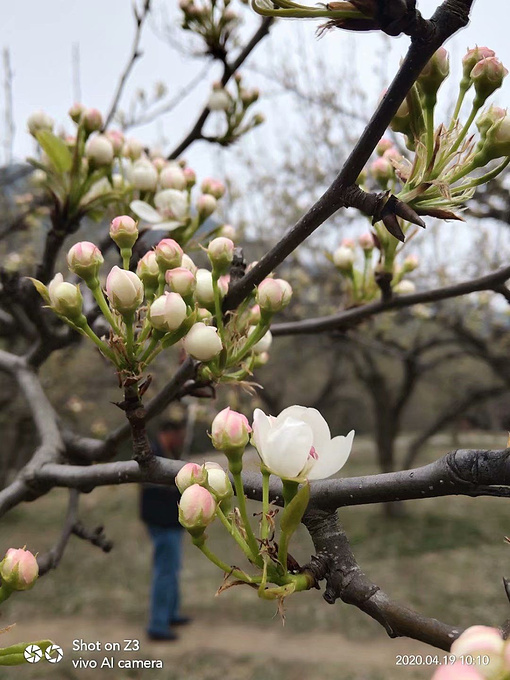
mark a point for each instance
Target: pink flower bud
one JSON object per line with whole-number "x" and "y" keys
{"x": 393, "y": 154}
{"x": 343, "y": 259}
{"x": 159, "y": 163}
{"x": 218, "y": 482}
{"x": 84, "y": 259}
{"x": 65, "y": 298}
{"x": 76, "y": 112}
{"x": 479, "y": 640}
{"x": 181, "y": 280}
{"x": 173, "y": 177}
{"x": 188, "y": 263}
{"x": 99, "y": 150}
{"x": 168, "y": 254}
{"x": 228, "y": 231}
{"x": 92, "y": 120}
{"x": 366, "y": 241}
{"x": 167, "y": 312}
{"x": 213, "y": 187}
{"x": 190, "y": 474}
{"x": 147, "y": 270}
{"x": 221, "y": 253}
{"x": 132, "y": 149}
{"x": 38, "y": 121}
{"x": 203, "y": 342}
{"x": 124, "y": 231}
{"x": 496, "y": 143}
{"x": 190, "y": 176}
{"x": 144, "y": 176}
{"x": 19, "y": 569}
{"x": 383, "y": 146}
{"x": 197, "y": 509}
{"x": 472, "y": 57}
{"x": 435, "y": 72}
{"x": 116, "y": 139}
{"x": 230, "y": 430}
{"x": 487, "y": 76}
{"x": 206, "y": 205}
{"x": 273, "y": 295}
{"x": 488, "y": 118}
{"x": 457, "y": 671}
{"x": 124, "y": 290}
{"x": 382, "y": 171}
{"x": 254, "y": 315}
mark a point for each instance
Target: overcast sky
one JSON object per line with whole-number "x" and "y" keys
{"x": 40, "y": 38}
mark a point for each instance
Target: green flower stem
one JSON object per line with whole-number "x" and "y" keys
{"x": 103, "y": 306}
{"x": 156, "y": 337}
{"x": 252, "y": 541}
{"x": 217, "y": 308}
{"x": 128, "y": 320}
{"x": 429, "y": 117}
{"x": 264, "y": 532}
{"x": 5, "y": 592}
{"x": 460, "y": 100}
{"x": 89, "y": 333}
{"x": 234, "y": 532}
{"x": 200, "y": 543}
{"x": 144, "y": 333}
{"x": 126, "y": 253}
{"x": 477, "y": 181}
{"x": 289, "y": 489}
{"x": 450, "y": 153}
{"x": 260, "y": 330}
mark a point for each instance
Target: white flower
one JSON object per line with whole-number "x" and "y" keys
{"x": 144, "y": 175}
{"x": 203, "y": 342}
{"x": 170, "y": 212}
{"x": 297, "y": 444}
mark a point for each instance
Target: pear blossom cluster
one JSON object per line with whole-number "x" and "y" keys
{"x": 235, "y": 105}
{"x": 216, "y": 23}
{"x": 295, "y": 446}
{"x": 481, "y": 654}
{"x": 18, "y": 572}
{"x": 168, "y": 300}
{"x": 359, "y": 262}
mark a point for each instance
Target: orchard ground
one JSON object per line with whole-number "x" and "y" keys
{"x": 445, "y": 557}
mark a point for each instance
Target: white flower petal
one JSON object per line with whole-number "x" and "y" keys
{"x": 320, "y": 428}
{"x": 145, "y": 212}
{"x": 166, "y": 226}
{"x": 261, "y": 429}
{"x": 332, "y": 458}
{"x": 287, "y": 447}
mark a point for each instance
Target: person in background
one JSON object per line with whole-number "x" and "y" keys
{"x": 159, "y": 511}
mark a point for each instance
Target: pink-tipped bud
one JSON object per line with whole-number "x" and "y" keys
{"x": 190, "y": 474}
{"x": 65, "y": 298}
{"x": 92, "y": 120}
{"x": 487, "y": 76}
{"x": 116, "y": 139}
{"x": 488, "y": 118}
{"x": 343, "y": 259}
{"x": 348, "y": 242}
{"x": 228, "y": 231}
{"x": 435, "y": 72}
{"x": 124, "y": 231}
{"x": 393, "y": 154}
{"x": 167, "y": 312}
{"x": 197, "y": 509}
{"x": 181, "y": 280}
{"x": 144, "y": 176}
{"x": 382, "y": 171}
{"x": 366, "y": 241}
{"x": 99, "y": 150}
{"x": 203, "y": 342}
{"x": 76, "y": 112}
{"x": 479, "y": 640}
{"x": 497, "y": 141}
{"x": 273, "y": 295}
{"x": 230, "y": 431}
{"x": 213, "y": 187}
{"x": 168, "y": 254}
{"x": 173, "y": 177}
{"x": 221, "y": 253}
{"x": 132, "y": 149}
{"x": 410, "y": 264}
{"x": 203, "y": 314}
{"x": 159, "y": 163}
{"x": 147, "y": 270}
{"x": 190, "y": 176}
{"x": 124, "y": 290}
{"x": 206, "y": 205}
{"x": 383, "y": 145}
{"x": 188, "y": 263}
{"x": 254, "y": 317}
{"x": 84, "y": 259}
{"x": 19, "y": 569}
{"x": 472, "y": 57}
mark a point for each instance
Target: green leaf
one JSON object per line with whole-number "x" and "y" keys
{"x": 294, "y": 511}
{"x": 56, "y": 150}
{"x": 41, "y": 289}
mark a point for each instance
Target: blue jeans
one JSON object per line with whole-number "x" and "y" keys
{"x": 165, "y": 577}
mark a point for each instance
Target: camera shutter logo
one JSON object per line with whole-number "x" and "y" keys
{"x": 54, "y": 654}
{"x": 33, "y": 653}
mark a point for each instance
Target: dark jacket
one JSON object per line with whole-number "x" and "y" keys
{"x": 158, "y": 502}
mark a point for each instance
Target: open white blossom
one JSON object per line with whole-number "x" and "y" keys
{"x": 170, "y": 212}
{"x": 297, "y": 444}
